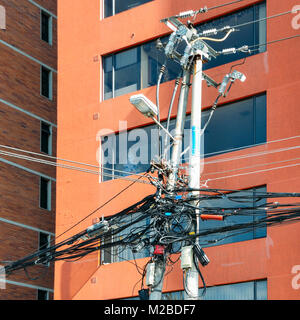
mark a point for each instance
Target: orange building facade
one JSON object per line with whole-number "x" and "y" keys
{"x": 91, "y": 99}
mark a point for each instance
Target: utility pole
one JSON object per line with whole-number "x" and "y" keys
{"x": 191, "y": 280}
{"x": 159, "y": 264}
{"x": 196, "y": 53}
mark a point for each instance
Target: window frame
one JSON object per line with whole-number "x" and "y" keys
{"x": 255, "y": 30}
{"x": 49, "y": 152}
{"x": 253, "y": 234}
{"x": 114, "y": 8}
{"x": 113, "y": 252}
{"x": 49, "y": 27}
{"x": 49, "y": 96}
{"x": 49, "y": 200}
{"x": 253, "y": 283}
{"x": 43, "y": 291}
{"x": 48, "y": 236}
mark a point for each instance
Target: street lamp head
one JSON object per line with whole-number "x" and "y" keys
{"x": 144, "y": 105}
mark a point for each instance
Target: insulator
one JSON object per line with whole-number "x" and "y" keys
{"x": 229, "y": 51}
{"x": 209, "y": 32}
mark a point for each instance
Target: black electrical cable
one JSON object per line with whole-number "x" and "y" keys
{"x": 154, "y": 208}
{"x": 200, "y": 274}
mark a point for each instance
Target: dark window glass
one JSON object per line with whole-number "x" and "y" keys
{"x": 42, "y": 295}
{"x": 45, "y": 27}
{"x": 237, "y": 291}
{"x": 108, "y": 255}
{"x": 260, "y": 119}
{"x": 250, "y": 34}
{"x": 112, "y": 7}
{"x": 44, "y": 242}
{"x": 252, "y": 290}
{"x": 45, "y": 82}
{"x": 142, "y": 64}
{"x": 261, "y": 290}
{"x": 127, "y": 71}
{"x": 108, "y": 80}
{"x": 45, "y": 137}
{"x": 233, "y": 236}
{"x": 152, "y": 60}
{"x": 233, "y": 126}
{"x": 125, "y": 252}
{"x": 108, "y": 8}
{"x": 122, "y": 253}
{"x": 44, "y": 193}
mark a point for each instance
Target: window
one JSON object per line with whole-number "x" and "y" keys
{"x": 252, "y": 290}
{"x": 137, "y": 68}
{"x": 238, "y": 235}
{"x": 246, "y": 117}
{"x": 42, "y": 294}
{"x": 132, "y": 151}
{"x": 46, "y": 138}
{"x": 45, "y": 193}
{"x": 44, "y": 242}
{"x": 46, "y": 27}
{"x": 134, "y": 69}
{"x": 112, "y": 7}
{"x": 125, "y": 252}
{"x": 46, "y": 83}
{"x": 250, "y": 34}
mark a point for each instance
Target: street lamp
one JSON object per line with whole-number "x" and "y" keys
{"x": 144, "y": 105}
{"x": 148, "y": 109}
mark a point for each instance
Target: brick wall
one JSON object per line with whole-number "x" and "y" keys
{"x": 20, "y": 68}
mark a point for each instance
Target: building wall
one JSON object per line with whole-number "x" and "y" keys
{"x": 82, "y": 114}
{"x": 22, "y": 109}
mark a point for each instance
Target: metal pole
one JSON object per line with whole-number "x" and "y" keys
{"x": 192, "y": 280}
{"x": 156, "y": 289}
{"x": 180, "y": 120}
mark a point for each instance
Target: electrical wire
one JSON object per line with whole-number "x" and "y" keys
{"x": 214, "y": 39}
{"x": 255, "y": 172}
{"x": 249, "y": 155}
{"x": 249, "y": 167}
{"x": 271, "y": 42}
{"x": 161, "y": 73}
{"x": 224, "y": 5}
{"x": 206, "y": 162}
{"x": 65, "y": 166}
{"x": 256, "y": 21}
{"x": 265, "y": 19}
